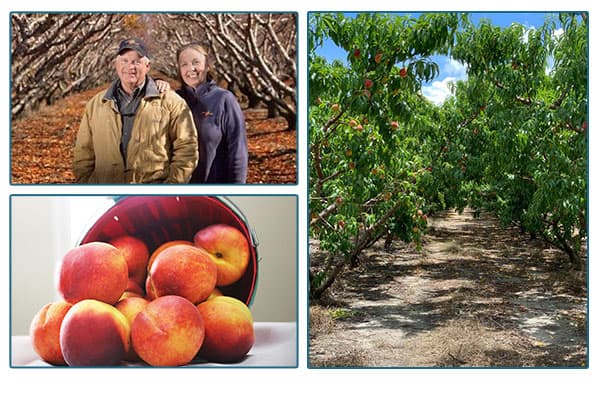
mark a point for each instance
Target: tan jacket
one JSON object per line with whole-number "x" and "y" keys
{"x": 163, "y": 146}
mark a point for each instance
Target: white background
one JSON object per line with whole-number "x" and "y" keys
{"x": 301, "y": 382}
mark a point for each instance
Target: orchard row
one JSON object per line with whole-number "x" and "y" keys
{"x": 512, "y": 138}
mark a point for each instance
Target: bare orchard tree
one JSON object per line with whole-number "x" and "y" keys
{"x": 58, "y": 53}
{"x": 254, "y": 54}
{"x": 54, "y": 54}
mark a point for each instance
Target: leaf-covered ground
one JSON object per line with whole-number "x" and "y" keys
{"x": 42, "y": 145}
{"x": 476, "y": 295}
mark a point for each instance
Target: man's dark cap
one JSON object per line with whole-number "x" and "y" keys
{"x": 133, "y": 44}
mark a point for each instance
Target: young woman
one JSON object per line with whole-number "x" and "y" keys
{"x": 222, "y": 142}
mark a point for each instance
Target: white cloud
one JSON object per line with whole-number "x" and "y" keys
{"x": 450, "y": 71}
{"x": 439, "y": 91}
{"x": 454, "y": 68}
{"x": 557, "y": 33}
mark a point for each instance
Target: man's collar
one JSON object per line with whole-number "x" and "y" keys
{"x": 150, "y": 89}
{"x": 138, "y": 89}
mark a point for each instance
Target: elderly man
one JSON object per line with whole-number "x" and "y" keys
{"x": 132, "y": 133}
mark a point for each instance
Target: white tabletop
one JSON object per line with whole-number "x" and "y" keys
{"x": 276, "y": 345}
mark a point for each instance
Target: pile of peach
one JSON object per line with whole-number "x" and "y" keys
{"x": 119, "y": 303}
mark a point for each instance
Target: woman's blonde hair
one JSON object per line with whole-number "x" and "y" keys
{"x": 210, "y": 76}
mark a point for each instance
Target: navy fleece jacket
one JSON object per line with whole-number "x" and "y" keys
{"x": 222, "y": 142}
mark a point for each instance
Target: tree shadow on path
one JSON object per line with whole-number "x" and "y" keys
{"x": 477, "y": 294}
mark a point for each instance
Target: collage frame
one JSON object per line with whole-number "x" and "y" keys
{"x": 351, "y": 381}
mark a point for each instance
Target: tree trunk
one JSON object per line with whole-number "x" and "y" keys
{"x": 253, "y": 101}
{"x": 273, "y": 111}
{"x": 291, "y": 121}
{"x": 317, "y": 292}
{"x": 574, "y": 257}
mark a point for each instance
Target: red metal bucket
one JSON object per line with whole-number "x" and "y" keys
{"x": 159, "y": 219}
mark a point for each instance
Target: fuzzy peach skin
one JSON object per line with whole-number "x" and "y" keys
{"x": 228, "y": 248}
{"x": 168, "y": 332}
{"x": 44, "y": 332}
{"x": 182, "y": 270}
{"x": 136, "y": 255}
{"x": 94, "y": 270}
{"x": 229, "y": 329}
{"x": 130, "y": 307}
{"x": 94, "y": 333}
{"x": 166, "y": 245}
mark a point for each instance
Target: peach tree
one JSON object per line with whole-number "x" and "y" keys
{"x": 371, "y": 132}
{"x": 522, "y": 148}
{"x": 512, "y": 139}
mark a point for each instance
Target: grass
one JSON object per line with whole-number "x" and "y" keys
{"x": 341, "y": 313}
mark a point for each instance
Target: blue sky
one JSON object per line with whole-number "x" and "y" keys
{"x": 450, "y": 70}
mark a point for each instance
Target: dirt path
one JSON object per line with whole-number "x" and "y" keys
{"x": 475, "y": 295}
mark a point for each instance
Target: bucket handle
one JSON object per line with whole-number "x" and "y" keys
{"x": 240, "y": 214}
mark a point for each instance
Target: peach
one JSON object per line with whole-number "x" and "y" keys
{"x": 228, "y": 248}
{"x": 165, "y": 246}
{"x": 182, "y": 270}
{"x": 136, "y": 254}
{"x": 127, "y": 294}
{"x": 94, "y": 270}
{"x": 229, "y": 329}
{"x": 168, "y": 332}
{"x": 216, "y": 292}
{"x": 130, "y": 307}
{"x": 132, "y": 290}
{"x": 44, "y": 332}
{"x": 94, "y": 333}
